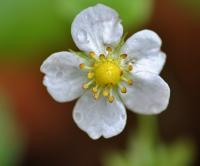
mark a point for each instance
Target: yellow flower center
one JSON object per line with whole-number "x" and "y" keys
{"x": 107, "y": 72}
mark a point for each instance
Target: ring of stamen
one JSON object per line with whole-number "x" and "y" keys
{"x": 106, "y": 72}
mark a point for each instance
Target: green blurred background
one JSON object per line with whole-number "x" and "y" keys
{"x": 35, "y": 130}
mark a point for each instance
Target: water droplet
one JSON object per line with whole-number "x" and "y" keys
{"x": 86, "y": 17}
{"x": 123, "y": 116}
{"x": 82, "y": 36}
{"x": 78, "y": 116}
{"x": 59, "y": 74}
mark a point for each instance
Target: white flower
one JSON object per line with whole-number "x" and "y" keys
{"x": 108, "y": 74}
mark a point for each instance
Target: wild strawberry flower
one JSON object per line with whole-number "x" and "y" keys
{"x": 109, "y": 74}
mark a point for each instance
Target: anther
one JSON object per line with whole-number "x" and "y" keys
{"x": 105, "y": 93}
{"x": 109, "y": 49}
{"x": 95, "y": 89}
{"x": 92, "y": 54}
{"x": 90, "y": 75}
{"x": 82, "y": 65}
{"x": 123, "y": 56}
{"x": 130, "y": 82}
{"x": 86, "y": 85}
{"x": 96, "y": 96}
{"x": 102, "y": 57}
{"x": 111, "y": 99}
{"x": 130, "y": 67}
{"x": 123, "y": 90}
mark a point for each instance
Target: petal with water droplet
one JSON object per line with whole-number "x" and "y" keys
{"x": 63, "y": 78}
{"x": 98, "y": 117}
{"x": 96, "y": 27}
{"x": 149, "y": 94}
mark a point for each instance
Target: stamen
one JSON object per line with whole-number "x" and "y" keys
{"x": 82, "y": 65}
{"x": 124, "y": 79}
{"x": 109, "y": 49}
{"x": 123, "y": 89}
{"x": 97, "y": 94}
{"x": 106, "y": 92}
{"x": 126, "y": 68}
{"x": 102, "y": 57}
{"x": 95, "y": 89}
{"x": 92, "y": 54}
{"x": 130, "y": 67}
{"x": 123, "y": 56}
{"x": 106, "y": 71}
{"x": 86, "y": 85}
{"x": 90, "y": 75}
{"x": 129, "y": 81}
{"x": 111, "y": 99}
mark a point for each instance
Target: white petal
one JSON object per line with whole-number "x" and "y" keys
{"x": 98, "y": 117}
{"x": 144, "y": 48}
{"x": 63, "y": 78}
{"x": 149, "y": 94}
{"x": 152, "y": 63}
{"x": 95, "y": 27}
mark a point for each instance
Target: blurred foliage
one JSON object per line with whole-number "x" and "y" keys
{"x": 10, "y": 137}
{"x": 30, "y": 26}
{"x": 192, "y": 5}
{"x": 145, "y": 149}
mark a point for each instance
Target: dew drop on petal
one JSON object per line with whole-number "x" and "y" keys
{"x": 82, "y": 36}
{"x": 86, "y": 17}
{"x": 78, "y": 116}
{"x": 50, "y": 68}
{"x": 59, "y": 74}
{"x": 123, "y": 116}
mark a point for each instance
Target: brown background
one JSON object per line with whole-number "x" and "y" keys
{"x": 53, "y": 139}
